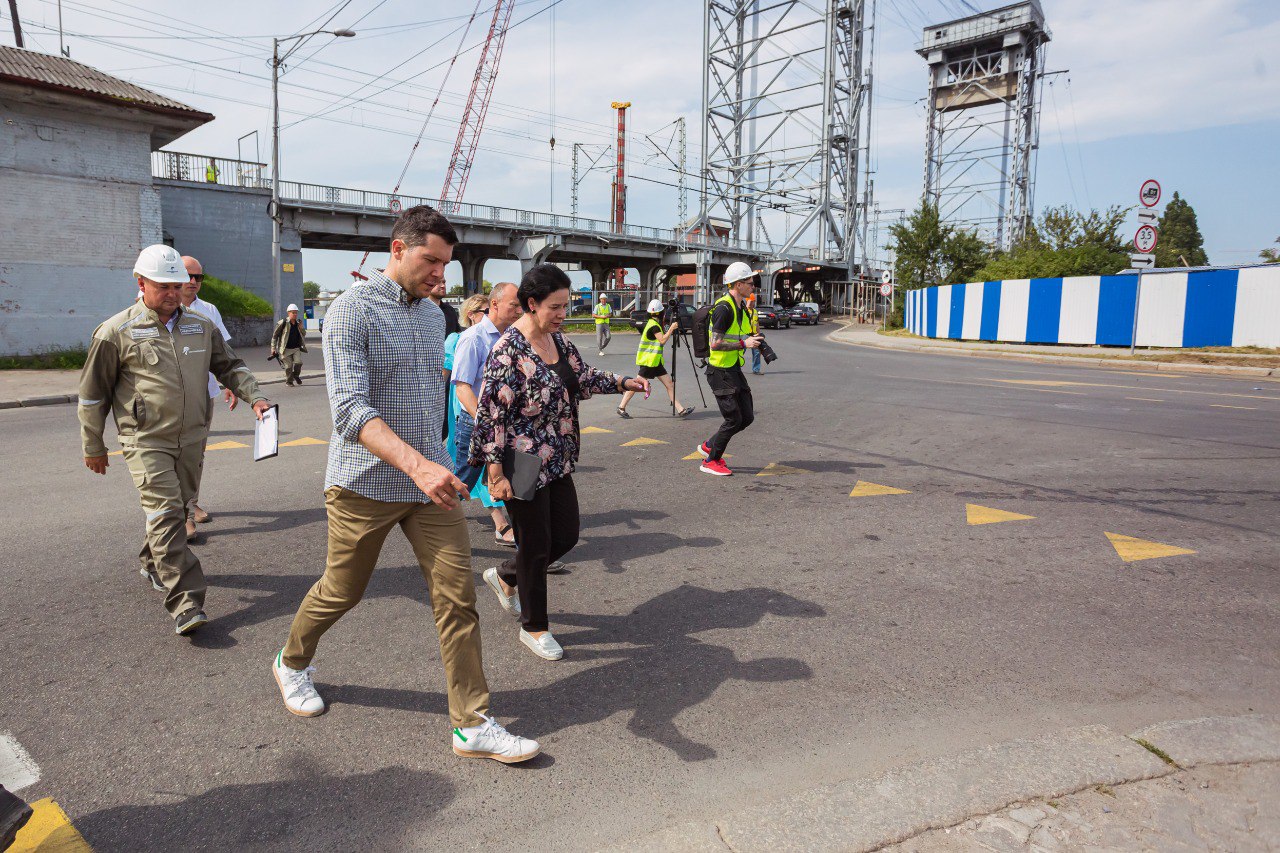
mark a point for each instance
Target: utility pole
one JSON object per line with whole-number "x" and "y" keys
{"x": 17, "y": 25}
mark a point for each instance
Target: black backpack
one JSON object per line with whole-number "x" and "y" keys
{"x": 701, "y": 343}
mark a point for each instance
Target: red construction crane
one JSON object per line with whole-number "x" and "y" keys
{"x": 464, "y": 149}
{"x": 618, "y": 216}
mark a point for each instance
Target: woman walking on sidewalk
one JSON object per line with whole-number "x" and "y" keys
{"x": 533, "y": 381}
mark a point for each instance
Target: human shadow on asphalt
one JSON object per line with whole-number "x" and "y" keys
{"x": 311, "y": 810}
{"x": 616, "y": 551}
{"x": 653, "y": 667}
{"x": 274, "y": 522}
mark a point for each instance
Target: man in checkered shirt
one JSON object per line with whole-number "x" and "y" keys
{"x": 384, "y": 360}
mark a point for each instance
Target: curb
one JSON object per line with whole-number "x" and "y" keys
{"x": 892, "y": 807}
{"x": 64, "y": 399}
{"x": 1270, "y": 373}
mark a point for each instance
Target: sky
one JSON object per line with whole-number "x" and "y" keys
{"x": 1183, "y": 91}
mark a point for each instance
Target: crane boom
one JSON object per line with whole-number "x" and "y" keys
{"x": 464, "y": 149}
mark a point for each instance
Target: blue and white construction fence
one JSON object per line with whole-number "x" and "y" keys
{"x": 1203, "y": 308}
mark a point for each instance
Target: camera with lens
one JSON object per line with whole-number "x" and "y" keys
{"x": 766, "y": 351}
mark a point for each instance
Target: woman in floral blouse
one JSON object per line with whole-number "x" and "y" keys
{"x": 533, "y": 381}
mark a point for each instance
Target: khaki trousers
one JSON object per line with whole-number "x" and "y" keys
{"x": 166, "y": 480}
{"x": 291, "y": 361}
{"x": 208, "y": 425}
{"x": 358, "y": 526}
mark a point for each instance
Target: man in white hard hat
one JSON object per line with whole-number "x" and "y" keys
{"x": 148, "y": 366}
{"x": 649, "y": 360}
{"x": 192, "y": 302}
{"x": 288, "y": 343}
{"x": 603, "y": 313}
{"x": 732, "y": 332}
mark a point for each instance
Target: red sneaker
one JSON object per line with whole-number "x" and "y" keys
{"x": 704, "y": 450}
{"x": 717, "y": 467}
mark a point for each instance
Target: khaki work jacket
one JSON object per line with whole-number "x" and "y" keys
{"x": 155, "y": 382}
{"x": 280, "y": 336}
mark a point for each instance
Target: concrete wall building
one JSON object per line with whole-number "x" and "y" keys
{"x": 77, "y": 201}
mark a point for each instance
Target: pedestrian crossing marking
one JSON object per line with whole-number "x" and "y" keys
{"x": 594, "y": 430}
{"x": 863, "y": 489}
{"x": 638, "y": 442}
{"x": 1131, "y": 549}
{"x": 49, "y": 831}
{"x": 225, "y": 445}
{"x": 18, "y": 770}
{"x": 987, "y": 515}
{"x": 696, "y": 455}
{"x": 302, "y": 442}
{"x": 777, "y": 469}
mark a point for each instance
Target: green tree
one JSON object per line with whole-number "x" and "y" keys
{"x": 310, "y": 290}
{"x": 929, "y": 251}
{"x": 1271, "y": 256}
{"x": 1180, "y": 237}
{"x": 1064, "y": 242}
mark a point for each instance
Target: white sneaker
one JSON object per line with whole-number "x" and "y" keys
{"x": 491, "y": 740}
{"x": 557, "y": 568}
{"x": 544, "y": 647}
{"x": 510, "y": 603}
{"x": 297, "y": 688}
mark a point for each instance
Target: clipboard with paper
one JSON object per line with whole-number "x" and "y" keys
{"x": 266, "y": 435}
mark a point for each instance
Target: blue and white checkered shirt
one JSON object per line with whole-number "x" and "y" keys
{"x": 384, "y": 353}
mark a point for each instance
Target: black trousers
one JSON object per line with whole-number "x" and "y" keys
{"x": 733, "y": 396}
{"x": 546, "y": 528}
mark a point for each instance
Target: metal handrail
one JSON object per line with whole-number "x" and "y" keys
{"x": 178, "y": 166}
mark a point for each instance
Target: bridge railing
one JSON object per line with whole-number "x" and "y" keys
{"x": 342, "y": 198}
{"x": 177, "y": 166}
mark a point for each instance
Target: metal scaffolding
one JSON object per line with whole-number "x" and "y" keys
{"x": 785, "y": 118}
{"x": 983, "y": 123}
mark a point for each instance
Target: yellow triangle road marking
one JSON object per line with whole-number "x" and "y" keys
{"x": 696, "y": 455}
{"x": 49, "y": 829}
{"x": 1131, "y": 550}
{"x": 863, "y": 489}
{"x": 594, "y": 430}
{"x": 986, "y": 515}
{"x": 639, "y": 442}
{"x": 116, "y": 453}
{"x": 225, "y": 445}
{"x": 777, "y": 469}
{"x": 302, "y": 442}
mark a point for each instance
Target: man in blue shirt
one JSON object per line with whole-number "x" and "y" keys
{"x": 473, "y": 351}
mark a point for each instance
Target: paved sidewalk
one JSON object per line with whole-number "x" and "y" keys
{"x": 1202, "y": 784}
{"x": 22, "y": 388}
{"x": 1116, "y": 358}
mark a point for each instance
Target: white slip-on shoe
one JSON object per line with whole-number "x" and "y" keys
{"x": 544, "y": 647}
{"x": 557, "y": 568}
{"x": 510, "y": 603}
{"x": 491, "y": 740}
{"x": 297, "y": 689}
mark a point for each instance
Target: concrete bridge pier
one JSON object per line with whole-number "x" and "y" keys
{"x": 291, "y": 277}
{"x": 472, "y": 271}
{"x": 532, "y": 251}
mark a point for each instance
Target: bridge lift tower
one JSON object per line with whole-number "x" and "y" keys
{"x": 983, "y": 127}
{"x": 785, "y": 121}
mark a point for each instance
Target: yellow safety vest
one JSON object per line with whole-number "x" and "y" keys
{"x": 650, "y": 352}
{"x": 211, "y": 174}
{"x": 602, "y": 318}
{"x": 740, "y": 330}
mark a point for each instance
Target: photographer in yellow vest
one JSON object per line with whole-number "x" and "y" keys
{"x": 732, "y": 332}
{"x": 649, "y": 359}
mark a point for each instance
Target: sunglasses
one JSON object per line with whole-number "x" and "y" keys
{"x": 198, "y": 277}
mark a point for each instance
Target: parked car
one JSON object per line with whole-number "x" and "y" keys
{"x": 640, "y": 317}
{"x": 804, "y": 314}
{"x": 774, "y": 317}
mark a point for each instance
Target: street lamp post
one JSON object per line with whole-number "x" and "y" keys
{"x": 276, "y": 61}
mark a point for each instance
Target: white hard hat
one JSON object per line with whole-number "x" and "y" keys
{"x": 738, "y": 271}
{"x": 291, "y": 307}
{"x": 161, "y": 263}
{"x": 655, "y": 306}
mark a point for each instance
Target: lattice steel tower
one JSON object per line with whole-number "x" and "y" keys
{"x": 983, "y": 128}
{"x": 783, "y": 123}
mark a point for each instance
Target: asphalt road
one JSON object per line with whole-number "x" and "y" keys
{"x": 728, "y": 641}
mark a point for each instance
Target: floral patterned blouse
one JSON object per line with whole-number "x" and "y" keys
{"x": 524, "y": 404}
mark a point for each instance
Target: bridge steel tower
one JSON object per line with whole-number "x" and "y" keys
{"x": 784, "y": 117}
{"x": 983, "y": 123}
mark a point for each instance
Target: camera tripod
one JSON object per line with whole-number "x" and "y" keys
{"x": 675, "y": 361}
